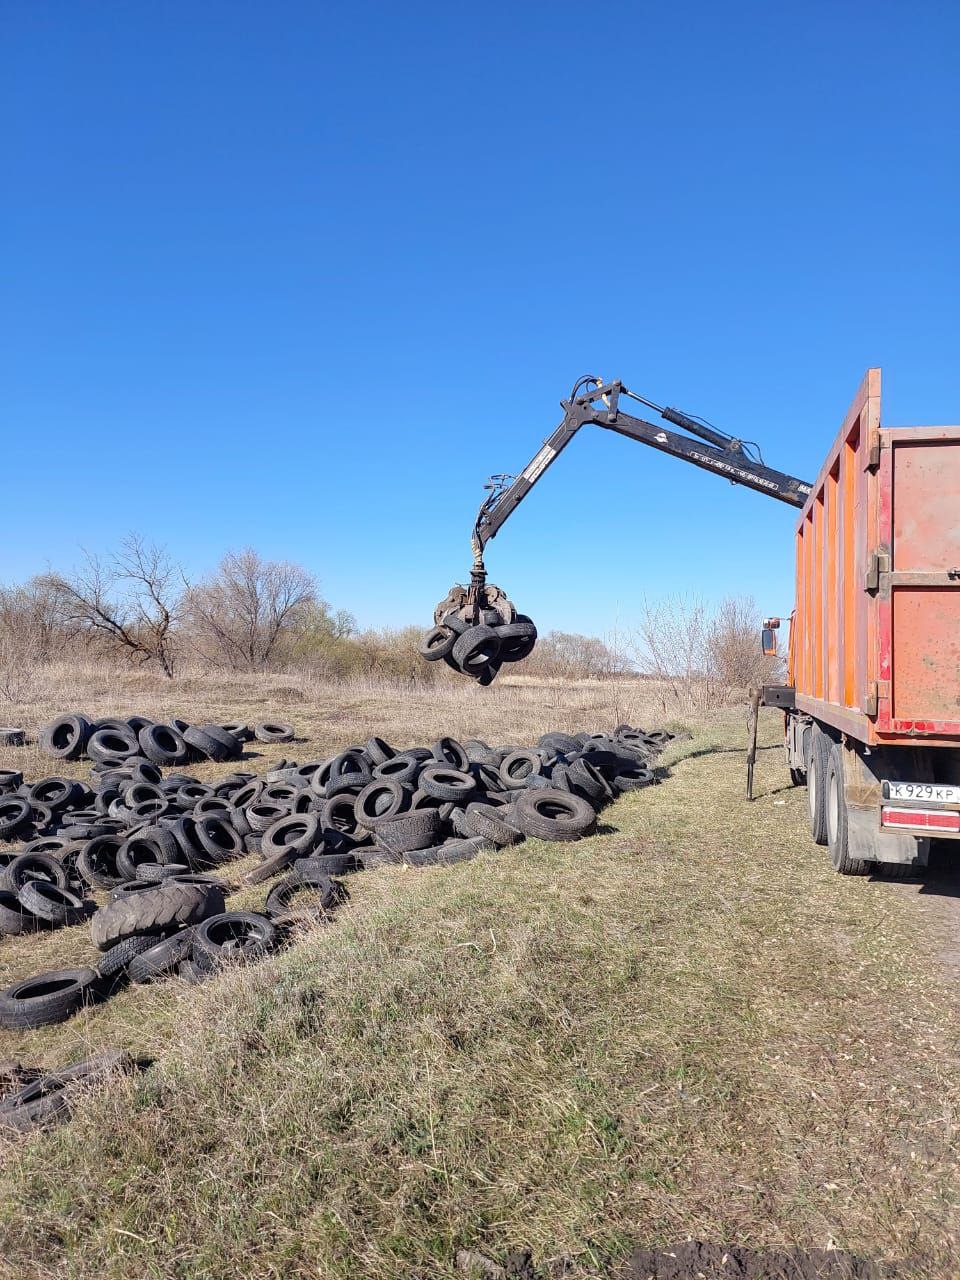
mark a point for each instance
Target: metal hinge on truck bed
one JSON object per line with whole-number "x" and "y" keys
{"x": 878, "y": 563}
{"x": 876, "y": 690}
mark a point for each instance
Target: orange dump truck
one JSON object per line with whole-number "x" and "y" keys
{"x": 872, "y": 700}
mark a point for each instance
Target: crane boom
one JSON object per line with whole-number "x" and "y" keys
{"x": 597, "y": 402}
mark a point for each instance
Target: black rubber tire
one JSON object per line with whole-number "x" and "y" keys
{"x": 454, "y": 622}
{"x": 15, "y": 816}
{"x": 206, "y": 747}
{"x": 446, "y": 855}
{"x": 476, "y": 649}
{"x": 401, "y": 768}
{"x": 231, "y": 936}
{"x": 154, "y": 872}
{"x": 218, "y": 840}
{"x": 264, "y": 814}
{"x": 114, "y": 963}
{"x": 153, "y": 844}
{"x": 589, "y": 782}
{"x": 380, "y": 800}
{"x": 115, "y": 743}
{"x": 437, "y": 643}
{"x": 163, "y": 957}
{"x": 66, "y": 737}
{"x": 328, "y": 893}
{"x": 231, "y": 745}
{"x": 15, "y": 918}
{"x": 39, "y": 1103}
{"x": 448, "y": 751}
{"x": 632, "y": 779}
{"x": 820, "y": 746}
{"x": 492, "y": 824}
{"x": 548, "y": 814}
{"x": 835, "y": 817}
{"x": 278, "y": 861}
{"x": 163, "y": 745}
{"x": 50, "y": 902}
{"x": 10, "y": 779}
{"x": 298, "y": 834}
{"x": 349, "y": 771}
{"x": 517, "y": 639}
{"x": 56, "y": 793}
{"x": 558, "y": 743}
{"x": 417, "y": 830}
{"x": 273, "y": 731}
{"x": 97, "y": 862}
{"x": 54, "y": 845}
{"x": 447, "y": 783}
{"x": 518, "y": 766}
{"x": 328, "y": 864}
{"x": 212, "y": 806}
{"x": 34, "y": 866}
{"x": 47, "y": 998}
{"x": 339, "y": 814}
{"x": 11, "y": 737}
{"x": 155, "y": 910}
{"x": 378, "y": 751}
{"x": 242, "y": 732}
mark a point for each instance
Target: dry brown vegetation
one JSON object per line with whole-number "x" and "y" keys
{"x": 136, "y": 609}
{"x": 688, "y": 1025}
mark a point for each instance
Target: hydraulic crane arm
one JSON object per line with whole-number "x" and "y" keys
{"x": 598, "y": 402}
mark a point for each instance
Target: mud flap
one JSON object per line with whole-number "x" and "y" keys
{"x": 863, "y": 775}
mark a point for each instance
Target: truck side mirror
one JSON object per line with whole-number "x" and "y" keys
{"x": 768, "y": 642}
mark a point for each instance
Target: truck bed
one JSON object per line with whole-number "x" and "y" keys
{"x": 875, "y": 636}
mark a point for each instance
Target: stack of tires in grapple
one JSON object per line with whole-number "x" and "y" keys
{"x": 477, "y": 640}
{"x": 151, "y": 843}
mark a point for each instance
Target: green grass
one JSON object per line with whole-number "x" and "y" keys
{"x": 687, "y": 1025}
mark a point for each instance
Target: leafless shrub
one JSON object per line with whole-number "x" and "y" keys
{"x": 130, "y": 604}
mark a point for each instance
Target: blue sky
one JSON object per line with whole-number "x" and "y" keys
{"x": 301, "y": 275}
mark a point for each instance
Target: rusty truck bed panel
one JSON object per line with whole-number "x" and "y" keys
{"x": 875, "y": 637}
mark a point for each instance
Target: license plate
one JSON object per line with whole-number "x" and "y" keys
{"x": 926, "y": 792}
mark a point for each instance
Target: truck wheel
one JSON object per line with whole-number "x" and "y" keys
{"x": 817, "y": 784}
{"x": 835, "y": 804}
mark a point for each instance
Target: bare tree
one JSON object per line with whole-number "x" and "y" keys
{"x": 241, "y": 615}
{"x": 701, "y": 657}
{"x": 732, "y": 645}
{"x": 131, "y": 602}
{"x": 29, "y": 624}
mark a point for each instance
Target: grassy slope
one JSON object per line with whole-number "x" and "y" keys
{"x": 687, "y": 1025}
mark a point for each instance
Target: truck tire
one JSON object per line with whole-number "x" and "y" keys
{"x": 835, "y": 806}
{"x": 817, "y": 784}
{"x": 155, "y": 909}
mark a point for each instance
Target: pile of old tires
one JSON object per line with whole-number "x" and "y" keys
{"x": 477, "y": 637}
{"x": 152, "y": 845}
{"x": 114, "y": 742}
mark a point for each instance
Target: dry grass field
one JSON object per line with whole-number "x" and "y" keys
{"x": 685, "y": 1026}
